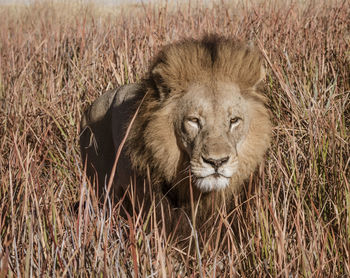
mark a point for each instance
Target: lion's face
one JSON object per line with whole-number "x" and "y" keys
{"x": 212, "y": 122}
{"x": 203, "y": 110}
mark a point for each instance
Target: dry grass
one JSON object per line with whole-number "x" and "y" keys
{"x": 57, "y": 58}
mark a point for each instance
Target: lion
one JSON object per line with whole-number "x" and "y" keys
{"x": 196, "y": 126}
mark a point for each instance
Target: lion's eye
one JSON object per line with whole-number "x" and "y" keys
{"x": 193, "y": 121}
{"x": 235, "y": 122}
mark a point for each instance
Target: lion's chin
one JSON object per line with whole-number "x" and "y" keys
{"x": 212, "y": 183}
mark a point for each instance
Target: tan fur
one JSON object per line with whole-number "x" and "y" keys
{"x": 198, "y": 77}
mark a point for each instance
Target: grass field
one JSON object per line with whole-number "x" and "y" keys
{"x": 56, "y": 58}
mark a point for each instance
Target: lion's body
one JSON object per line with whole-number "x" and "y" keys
{"x": 103, "y": 130}
{"x": 201, "y": 122}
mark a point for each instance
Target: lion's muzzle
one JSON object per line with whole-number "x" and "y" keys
{"x": 213, "y": 174}
{"x": 215, "y": 163}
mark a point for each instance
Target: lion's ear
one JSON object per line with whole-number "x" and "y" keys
{"x": 256, "y": 65}
{"x": 157, "y": 75}
{"x": 260, "y": 77}
{"x": 253, "y": 71}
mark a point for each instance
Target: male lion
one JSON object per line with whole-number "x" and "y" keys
{"x": 200, "y": 120}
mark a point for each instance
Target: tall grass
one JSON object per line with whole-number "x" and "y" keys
{"x": 56, "y": 58}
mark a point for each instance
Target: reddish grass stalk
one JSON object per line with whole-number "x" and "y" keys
{"x": 55, "y": 58}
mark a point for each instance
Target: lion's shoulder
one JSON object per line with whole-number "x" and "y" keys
{"x": 123, "y": 107}
{"x": 103, "y": 127}
{"x": 127, "y": 94}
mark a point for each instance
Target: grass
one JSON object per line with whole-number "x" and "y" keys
{"x": 56, "y": 58}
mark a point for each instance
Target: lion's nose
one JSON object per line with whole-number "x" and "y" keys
{"x": 216, "y": 163}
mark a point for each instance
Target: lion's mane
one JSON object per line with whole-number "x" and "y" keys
{"x": 152, "y": 144}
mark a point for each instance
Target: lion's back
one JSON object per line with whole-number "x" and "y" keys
{"x": 103, "y": 127}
